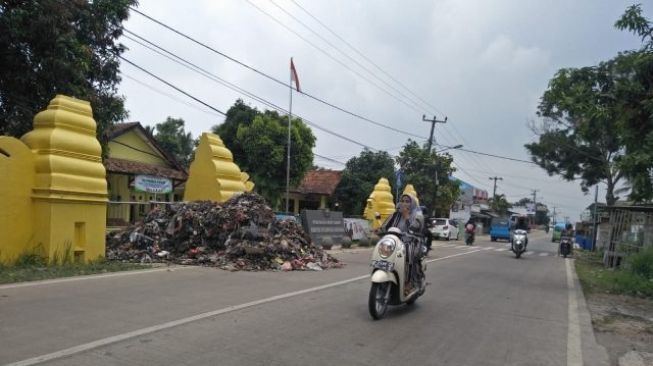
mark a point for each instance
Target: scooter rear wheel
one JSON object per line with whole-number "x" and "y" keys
{"x": 378, "y": 300}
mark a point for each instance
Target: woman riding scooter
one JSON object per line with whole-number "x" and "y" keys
{"x": 407, "y": 218}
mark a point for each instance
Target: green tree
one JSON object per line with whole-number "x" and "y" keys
{"x": 523, "y": 202}
{"x": 500, "y": 204}
{"x": 634, "y": 92}
{"x": 420, "y": 166}
{"x": 258, "y": 142}
{"x": 174, "y": 139}
{"x": 359, "y": 177}
{"x": 597, "y": 123}
{"x": 578, "y": 137}
{"x": 60, "y": 47}
{"x": 240, "y": 114}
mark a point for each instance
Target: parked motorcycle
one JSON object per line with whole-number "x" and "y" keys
{"x": 519, "y": 242}
{"x": 565, "y": 246}
{"x": 397, "y": 271}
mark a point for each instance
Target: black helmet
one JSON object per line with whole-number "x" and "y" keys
{"x": 568, "y": 226}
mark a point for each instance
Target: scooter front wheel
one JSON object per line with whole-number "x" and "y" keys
{"x": 378, "y": 299}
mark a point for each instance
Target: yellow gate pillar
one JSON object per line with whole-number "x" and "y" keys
{"x": 213, "y": 175}
{"x": 411, "y": 191}
{"x": 70, "y": 188}
{"x": 380, "y": 201}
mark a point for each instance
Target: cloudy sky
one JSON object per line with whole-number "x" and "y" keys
{"x": 481, "y": 63}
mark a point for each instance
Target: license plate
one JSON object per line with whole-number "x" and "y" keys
{"x": 384, "y": 265}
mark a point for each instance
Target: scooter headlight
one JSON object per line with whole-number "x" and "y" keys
{"x": 386, "y": 247}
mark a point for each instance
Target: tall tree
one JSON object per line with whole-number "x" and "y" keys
{"x": 419, "y": 166}
{"x": 597, "y": 123}
{"x": 173, "y": 138}
{"x": 523, "y": 202}
{"x": 258, "y": 142}
{"x": 359, "y": 177}
{"x": 500, "y": 204}
{"x": 634, "y": 91}
{"x": 60, "y": 47}
{"x": 577, "y": 137}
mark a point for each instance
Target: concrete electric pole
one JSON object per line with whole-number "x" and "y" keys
{"x": 494, "y": 191}
{"x": 433, "y": 122}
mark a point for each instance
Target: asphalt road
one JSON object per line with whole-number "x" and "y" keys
{"x": 482, "y": 307}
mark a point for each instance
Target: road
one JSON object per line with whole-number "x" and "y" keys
{"x": 482, "y": 307}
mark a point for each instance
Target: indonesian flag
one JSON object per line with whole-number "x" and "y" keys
{"x": 293, "y": 75}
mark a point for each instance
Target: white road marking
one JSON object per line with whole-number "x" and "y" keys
{"x": 92, "y": 277}
{"x": 544, "y": 254}
{"x": 529, "y": 253}
{"x": 175, "y": 323}
{"x": 574, "y": 351}
{"x": 500, "y": 250}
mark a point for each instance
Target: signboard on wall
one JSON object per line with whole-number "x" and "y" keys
{"x": 357, "y": 229}
{"x": 151, "y": 184}
{"x": 323, "y": 225}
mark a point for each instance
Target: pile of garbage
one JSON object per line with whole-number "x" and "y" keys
{"x": 240, "y": 234}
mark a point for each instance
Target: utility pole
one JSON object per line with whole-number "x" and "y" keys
{"x": 554, "y": 216}
{"x": 534, "y": 204}
{"x": 595, "y": 217}
{"x": 535, "y": 197}
{"x": 494, "y": 191}
{"x": 433, "y": 122}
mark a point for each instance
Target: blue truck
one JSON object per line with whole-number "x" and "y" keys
{"x": 500, "y": 228}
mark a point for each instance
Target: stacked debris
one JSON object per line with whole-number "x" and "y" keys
{"x": 240, "y": 234}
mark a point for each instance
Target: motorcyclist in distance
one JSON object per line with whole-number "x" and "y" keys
{"x": 568, "y": 231}
{"x": 522, "y": 224}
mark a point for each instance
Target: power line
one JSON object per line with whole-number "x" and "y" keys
{"x": 317, "y": 99}
{"x": 168, "y": 95}
{"x": 329, "y": 159}
{"x": 172, "y": 86}
{"x": 137, "y": 149}
{"x": 247, "y": 93}
{"x": 303, "y": 93}
{"x": 413, "y": 107}
{"x": 344, "y": 54}
{"x": 365, "y": 57}
{"x": 492, "y": 155}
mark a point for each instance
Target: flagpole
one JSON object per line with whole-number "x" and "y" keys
{"x": 288, "y": 157}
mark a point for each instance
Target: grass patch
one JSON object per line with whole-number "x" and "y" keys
{"x": 634, "y": 279}
{"x": 32, "y": 267}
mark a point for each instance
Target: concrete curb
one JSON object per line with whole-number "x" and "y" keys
{"x": 593, "y": 353}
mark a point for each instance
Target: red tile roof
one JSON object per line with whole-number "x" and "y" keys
{"x": 133, "y": 167}
{"x": 320, "y": 182}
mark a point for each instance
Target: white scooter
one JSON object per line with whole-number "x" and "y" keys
{"x": 392, "y": 258}
{"x": 519, "y": 242}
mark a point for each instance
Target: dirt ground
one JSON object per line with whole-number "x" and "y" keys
{"x": 622, "y": 324}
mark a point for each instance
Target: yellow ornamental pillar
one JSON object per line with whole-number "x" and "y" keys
{"x": 249, "y": 185}
{"x": 213, "y": 175}
{"x": 381, "y": 201}
{"x": 16, "y": 181}
{"x": 411, "y": 190}
{"x": 70, "y": 188}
